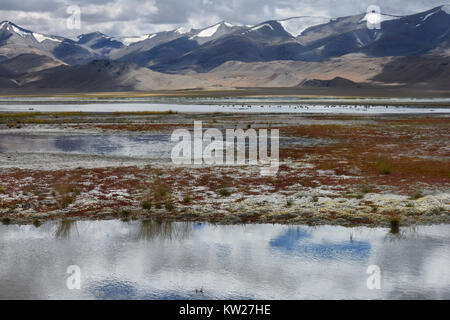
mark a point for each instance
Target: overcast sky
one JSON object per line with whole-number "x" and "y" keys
{"x": 138, "y": 17}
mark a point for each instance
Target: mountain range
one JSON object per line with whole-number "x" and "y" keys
{"x": 299, "y": 52}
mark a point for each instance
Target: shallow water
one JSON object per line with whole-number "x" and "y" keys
{"x": 149, "y": 146}
{"x": 149, "y": 260}
{"x": 143, "y": 145}
{"x": 245, "y": 107}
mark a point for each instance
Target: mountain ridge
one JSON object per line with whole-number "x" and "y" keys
{"x": 311, "y": 45}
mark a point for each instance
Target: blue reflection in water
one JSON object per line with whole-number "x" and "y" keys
{"x": 198, "y": 226}
{"x": 227, "y": 262}
{"x": 295, "y": 241}
{"x": 113, "y": 289}
{"x": 88, "y": 144}
{"x": 109, "y": 144}
{"x": 156, "y": 145}
{"x": 153, "y": 145}
{"x": 288, "y": 240}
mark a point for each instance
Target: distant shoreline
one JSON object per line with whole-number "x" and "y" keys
{"x": 220, "y": 99}
{"x": 363, "y": 92}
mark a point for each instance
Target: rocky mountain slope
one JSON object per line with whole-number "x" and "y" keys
{"x": 407, "y": 50}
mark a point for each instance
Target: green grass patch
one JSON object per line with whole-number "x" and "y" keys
{"x": 416, "y": 195}
{"x": 169, "y": 206}
{"x": 146, "y": 204}
{"x": 224, "y": 192}
{"x": 37, "y": 223}
{"x": 394, "y": 223}
{"x": 385, "y": 166}
{"x": 67, "y": 200}
{"x": 67, "y": 192}
{"x": 366, "y": 189}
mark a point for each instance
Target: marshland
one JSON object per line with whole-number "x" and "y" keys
{"x": 360, "y": 166}
{"x": 358, "y": 184}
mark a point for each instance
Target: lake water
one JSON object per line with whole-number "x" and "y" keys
{"x": 151, "y": 260}
{"x": 148, "y": 146}
{"x": 245, "y": 107}
{"x": 143, "y": 145}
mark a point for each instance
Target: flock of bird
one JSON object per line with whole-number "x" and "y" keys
{"x": 308, "y": 107}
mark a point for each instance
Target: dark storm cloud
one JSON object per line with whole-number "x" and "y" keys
{"x": 125, "y": 17}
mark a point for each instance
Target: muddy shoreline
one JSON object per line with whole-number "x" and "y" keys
{"x": 403, "y": 219}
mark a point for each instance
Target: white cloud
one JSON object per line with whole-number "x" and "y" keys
{"x": 139, "y": 17}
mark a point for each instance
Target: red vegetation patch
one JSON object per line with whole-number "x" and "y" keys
{"x": 397, "y": 153}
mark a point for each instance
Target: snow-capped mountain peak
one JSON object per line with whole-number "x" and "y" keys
{"x": 41, "y": 38}
{"x": 261, "y": 26}
{"x": 130, "y": 40}
{"x": 213, "y": 30}
{"x": 24, "y": 33}
{"x": 208, "y": 32}
{"x": 446, "y": 8}
{"x": 6, "y": 24}
{"x": 182, "y": 30}
{"x": 379, "y": 17}
{"x": 297, "y": 25}
{"x": 11, "y": 27}
{"x": 3, "y": 24}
